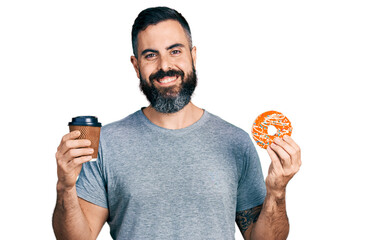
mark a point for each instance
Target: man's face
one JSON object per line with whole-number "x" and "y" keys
{"x": 165, "y": 66}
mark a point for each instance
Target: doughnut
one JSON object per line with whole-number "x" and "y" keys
{"x": 270, "y": 118}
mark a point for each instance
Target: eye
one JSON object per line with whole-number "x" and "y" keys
{"x": 150, "y": 55}
{"x": 175, "y": 52}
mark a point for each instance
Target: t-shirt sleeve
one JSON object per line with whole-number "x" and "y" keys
{"x": 251, "y": 188}
{"x": 91, "y": 183}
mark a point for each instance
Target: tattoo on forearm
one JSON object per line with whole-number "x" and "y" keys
{"x": 246, "y": 217}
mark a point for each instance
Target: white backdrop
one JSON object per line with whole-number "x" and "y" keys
{"x": 315, "y": 61}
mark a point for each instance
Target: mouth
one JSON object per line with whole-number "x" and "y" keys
{"x": 167, "y": 81}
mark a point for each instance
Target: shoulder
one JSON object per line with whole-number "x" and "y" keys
{"x": 222, "y": 127}
{"x": 122, "y": 126}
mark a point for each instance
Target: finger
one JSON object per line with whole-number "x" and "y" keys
{"x": 78, "y": 152}
{"x": 78, "y": 161}
{"x": 297, "y": 154}
{"x": 286, "y": 146}
{"x": 289, "y": 140}
{"x": 74, "y": 144}
{"x": 284, "y": 157}
{"x": 71, "y": 135}
{"x": 275, "y": 161}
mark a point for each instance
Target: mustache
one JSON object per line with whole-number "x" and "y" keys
{"x": 161, "y": 74}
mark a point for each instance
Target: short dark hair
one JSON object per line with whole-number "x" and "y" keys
{"x": 152, "y": 16}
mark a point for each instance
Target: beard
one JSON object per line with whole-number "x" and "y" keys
{"x": 169, "y": 99}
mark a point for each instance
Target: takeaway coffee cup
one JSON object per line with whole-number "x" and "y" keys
{"x": 90, "y": 129}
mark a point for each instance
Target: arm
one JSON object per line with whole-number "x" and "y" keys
{"x": 270, "y": 216}
{"x": 246, "y": 219}
{"x": 272, "y": 222}
{"x": 73, "y": 217}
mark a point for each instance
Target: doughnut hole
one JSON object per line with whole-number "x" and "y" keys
{"x": 272, "y": 130}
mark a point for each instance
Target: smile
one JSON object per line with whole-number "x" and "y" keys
{"x": 167, "y": 80}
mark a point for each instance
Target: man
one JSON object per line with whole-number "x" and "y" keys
{"x": 171, "y": 170}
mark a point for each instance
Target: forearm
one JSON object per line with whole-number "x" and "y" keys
{"x": 69, "y": 222}
{"x": 273, "y": 221}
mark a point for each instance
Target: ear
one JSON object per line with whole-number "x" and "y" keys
{"x": 136, "y": 65}
{"x": 193, "y": 55}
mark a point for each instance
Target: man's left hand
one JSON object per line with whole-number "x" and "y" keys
{"x": 285, "y": 157}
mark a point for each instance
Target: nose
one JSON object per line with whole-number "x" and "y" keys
{"x": 165, "y": 63}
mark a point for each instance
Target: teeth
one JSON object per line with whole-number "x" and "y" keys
{"x": 167, "y": 80}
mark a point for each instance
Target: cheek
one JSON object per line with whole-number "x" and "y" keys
{"x": 184, "y": 64}
{"x": 146, "y": 71}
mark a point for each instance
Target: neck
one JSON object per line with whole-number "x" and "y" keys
{"x": 181, "y": 119}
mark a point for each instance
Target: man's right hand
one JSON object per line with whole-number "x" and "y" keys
{"x": 75, "y": 218}
{"x": 70, "y": 156}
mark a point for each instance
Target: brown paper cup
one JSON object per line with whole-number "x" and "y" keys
{"x": 91, "y": 133}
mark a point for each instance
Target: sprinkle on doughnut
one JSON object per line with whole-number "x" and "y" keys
{"x": 270, "y": 118}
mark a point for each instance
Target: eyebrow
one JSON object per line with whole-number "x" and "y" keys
{"x": 168, "y": 48}
{"x": 175, "y": 45}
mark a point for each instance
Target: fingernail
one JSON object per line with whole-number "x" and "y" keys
{"x": 273, "y": 145}
{"x": 285, "y": 137}
{"x": 91, "y": 150}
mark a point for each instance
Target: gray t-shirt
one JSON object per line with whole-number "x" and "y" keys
{"x": 165, "y": 184}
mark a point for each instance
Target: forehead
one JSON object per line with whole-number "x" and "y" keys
{"x": 162, "y": 35}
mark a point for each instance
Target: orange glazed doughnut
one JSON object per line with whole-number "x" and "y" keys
{"x": 270, "y": 118}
